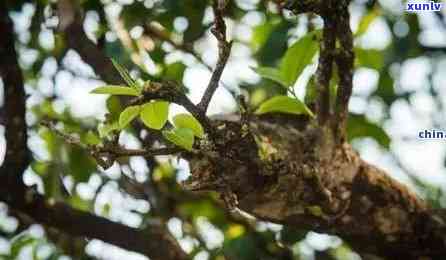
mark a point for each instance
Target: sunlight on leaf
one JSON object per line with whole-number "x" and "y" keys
{"x": 272, "y": 74}
{"x": 107, "y": 128}
{"x": 128, "y": 115}
{"x": 366, "y": 21}
{"x": 154, "y": 114}
{"x": 188, "y": 121}
{"x": 183, "y": 137}
{"x": 298, "y": 56}
{"x": 284, "y": 104}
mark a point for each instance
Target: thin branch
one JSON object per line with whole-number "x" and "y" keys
{"x": 224, "y": 50}
{"x": 344, "y": 60}
{"x": 120, "y": 152}
{"x": 324, "y": 70}
{"x": 171, "y": 92}
{"x": 111, "y": 151}
{"x": 71, "y": 26}
{"x": 163, "y": 35}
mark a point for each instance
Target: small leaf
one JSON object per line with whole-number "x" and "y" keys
{"x": 116, "y": 90}
{"x": 359, "y": 126}
{"x": 91, "y": 138}
{"x": 298, "y": 56}
{"x": 284, "y": 104}
{"x": 366, "y": 20}
{"x": 272, "y": 74}
{"x": 114, "y": 108}
{"x": 315, "y": 211}
{"x": 188, "y": 121}
{"x": 19, "y": 243}
{"x": 126, "y": 76}
{"x": 154, "y": 114}
{"x": 106, "y": 129}
{"x": 183, "y": 137}
{"x": 369, "y": 58}
{"x": 128, "y": 115}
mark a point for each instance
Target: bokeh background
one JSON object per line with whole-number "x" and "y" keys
{"x": 399, "y": 90}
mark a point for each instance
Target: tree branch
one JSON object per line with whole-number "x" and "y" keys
{"x": 344, "y": 60}
{"x": 71, "y": 26}
{"x": 13, "y": 112}
{"x": 324, "y": 70}
{"x": 328, "y": 189}
{"x": 154, "y": 242}
{"x": 224, "y": 50}
{"x": 171, "y": 92}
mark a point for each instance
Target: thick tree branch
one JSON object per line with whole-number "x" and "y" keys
{"x": 323, "y": 188}
{"x": 13, "y": 112}
{"x": 153, "y": 241}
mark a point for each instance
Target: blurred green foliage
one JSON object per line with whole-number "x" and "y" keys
{"x": 280, "y": 48}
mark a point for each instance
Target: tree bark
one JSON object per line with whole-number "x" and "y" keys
{"x": 308, "y": 181}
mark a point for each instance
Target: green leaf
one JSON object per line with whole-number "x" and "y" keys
{"x": 284, "y": 104}
{"x": 80, "y": 165}
{"x": 188, "y": 121}
{"x": 154, "y": 114}
{"x": 369, "y": 58}
{"x": 358, "y": 126}
{"x": 298, "y": 56}
{"x": 366, "y": 21}
{"x": 19, "y": 243}
{"x": 116, "y": 90}
{"x": 91, "y": 138}
{"x": 114, "y": 108}
{"x": 126, "y": 76}
{"x": 183, "y": 137}
{"x": 174, "y": 71}
{"x": 272, "y": 74}
{"x": 105, "y": 129}
{"x": 128, "y": 115}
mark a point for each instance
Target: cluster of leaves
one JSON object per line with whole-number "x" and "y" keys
{"x": 296, "y": 59}
{"x": 153, "y": 114}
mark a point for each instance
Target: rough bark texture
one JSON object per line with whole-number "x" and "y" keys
{"x": 308, "y": 181}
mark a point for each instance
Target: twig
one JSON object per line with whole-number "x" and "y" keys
{"x": 119, "y": 151}
{"x": 70, "y": 139}
{"x": 224, "y": 50}
{"x": 106, "y": 155}
{"x": 163, "y": 35}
